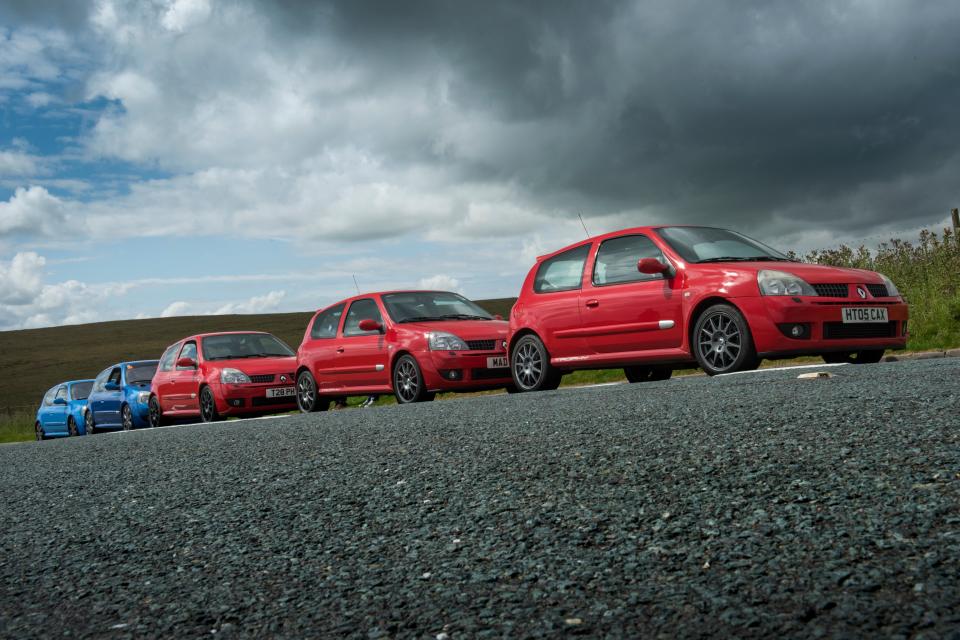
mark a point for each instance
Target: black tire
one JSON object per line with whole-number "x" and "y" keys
{"x": 511, "y": 389}
{"x": 155, "y": 413}
{"x": 88, "y": 425}
{"x": 208, "y": 406}
{"x": 72, "y": 427}
{"x": 722, "y": 342}
{"x": 308, "y": 400}
{"x": 867, "y": 356}
{"x": 408, "y": 383}
{"x": 530, "y": 366}
{"x": 126, "y": 418}
{"x": 647, "y": 373}
{"x": 38, "y": 432}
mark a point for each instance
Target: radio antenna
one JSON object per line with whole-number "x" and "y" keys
{"x": 356, "y": 285}
{"x": 583, "y": 225}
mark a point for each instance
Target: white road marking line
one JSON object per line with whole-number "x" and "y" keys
{"x": 805, "y": 366}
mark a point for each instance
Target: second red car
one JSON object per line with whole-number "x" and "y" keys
{"x": 216, "y": 375}
{"x": 409, "y": 343}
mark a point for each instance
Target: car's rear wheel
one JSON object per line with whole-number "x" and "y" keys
{"x": 155, "y": 414}
{"x": 408, "y": 383}
{"x": 530, "y": 366}
{"x": 208, "y": 406}
{"x": 722, "y": 342}
{"x": 72, "y": 427}
{"x": 867, "y": 356}
{"x": 38, "y": 432}
{"x": 88, "y": 424}
{"x": 307, "y": 399}
{"x": 647, "y": 373}
{"x": 126, "y": 417}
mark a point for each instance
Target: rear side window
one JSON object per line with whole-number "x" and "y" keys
{"x": 166, "y": 361}
{"x": 365, "y": 309}
{"x": 563, "y": 272}
{"x": 80, "y": 390}
{"x": 326, "y": 323}
{"x": 617, "y": 260}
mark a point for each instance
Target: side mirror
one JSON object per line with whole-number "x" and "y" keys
{"x": 59, "y": 401}
{"x": 497, "y": 317}
{"x": 654, "y": 266}
{"x": 187, "y": 363}
{"x": 369, "y": 325}
{"x": 111, "y": 386}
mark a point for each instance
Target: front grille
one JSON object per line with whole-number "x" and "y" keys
{"x": 841, "y": 331}
{"x": 482, "y": 345}
{"x": 266, "y": 402}
{"x": 262, "y": 378}
{"x": 489, "y": 374}
{"x": 832, "y": 290}
{"x": 878, "y": 290}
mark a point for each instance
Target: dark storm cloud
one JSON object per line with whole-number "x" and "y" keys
{"x": 57, "y": 13}
{"x": 739, "y": 113}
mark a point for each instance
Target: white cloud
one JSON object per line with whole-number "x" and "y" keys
{"x": 33, "y": 211}
{"x": 182, "y": 14}
{"x": 17, "y": 163}
{"x": 257, "y": 304}
{"x": 440, "y": 282}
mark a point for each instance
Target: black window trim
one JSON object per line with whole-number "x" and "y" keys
{"x": 340, "y": 321}
{"x": 583, "y": 269}
{"x": 653, "y": 276}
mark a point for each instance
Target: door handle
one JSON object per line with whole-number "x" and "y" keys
{"x": 593, "y": 303}
{"x": 339, "y": 349}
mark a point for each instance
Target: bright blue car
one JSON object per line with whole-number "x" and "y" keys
{"x": 120, "y": 397}
{"x": 61, "y": 410}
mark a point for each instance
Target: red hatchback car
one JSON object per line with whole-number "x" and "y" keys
{"x": 409, "y": 343}
{"x": 651, "y": 298}
{"x": 216, "y": 375}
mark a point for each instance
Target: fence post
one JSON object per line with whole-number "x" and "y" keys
{"x": 955, "y": 214}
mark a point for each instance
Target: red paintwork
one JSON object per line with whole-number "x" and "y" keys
{"x": 348, "y": 365}
{"x": 178, "y": 390}
{"x": 616, "y": 325}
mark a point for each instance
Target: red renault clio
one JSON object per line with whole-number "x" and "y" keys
{"x": 216, "y": 375}
{"x": 652, "y": 298}
{"x": 409, "y": 343}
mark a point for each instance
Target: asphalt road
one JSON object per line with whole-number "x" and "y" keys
{"x": 752, "y": 505}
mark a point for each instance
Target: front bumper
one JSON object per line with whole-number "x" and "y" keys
{"x": 245, "y": 399}
{"x": 141, "y": 414}
{"x": 463, "y": 370}
{"x": 769, "y": 318}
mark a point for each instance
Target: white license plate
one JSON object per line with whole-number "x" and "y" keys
{"x": 858, "y": 315}
{"x": 282, "y": 392}
{"x": 498, "y": 362}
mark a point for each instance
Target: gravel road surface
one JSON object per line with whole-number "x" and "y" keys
{"x": 749, "y": 505}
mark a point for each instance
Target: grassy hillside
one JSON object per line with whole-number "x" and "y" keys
{"x": 36, "y": 359}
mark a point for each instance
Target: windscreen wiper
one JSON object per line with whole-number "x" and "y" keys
{"x": 464, "y": 316}
{"x": 737, "y": 259}
{"x": 420, "y": 319}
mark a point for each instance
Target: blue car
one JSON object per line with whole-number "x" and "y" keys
{"x": 61, "y": 410}
{"x": 120, "y": 397}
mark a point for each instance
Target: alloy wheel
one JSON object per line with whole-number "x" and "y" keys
{"x": 126, "y": 417}
{"x": 88, "y": 425}
{"x": 406, "y": 380}
{"x": 155, "y": 418}
{"x": 208, "y": 406}
{"x": 38, "y": 431}
{"x": 528, "y": 365}
{"x": 72, "y": 427}
{"x": 720, "y": 341}
{"x": 306, "y": 392}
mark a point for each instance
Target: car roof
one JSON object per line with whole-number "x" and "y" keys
{"x": 613, "y": 234}
{"x": 370, "y": 294}
{"x": 77, "y": 381}
{"x": 133, "y": 362}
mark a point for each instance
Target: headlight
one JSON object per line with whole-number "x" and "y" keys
{"x": 891, "y": 288}
{"x": 781, "y": 283}
{"x": 233, "y": 376}
{"x": 143, "y": 397}
{"x": 440, "y": 341}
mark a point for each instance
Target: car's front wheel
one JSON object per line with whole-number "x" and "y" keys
{"x": 868, "y": 356}
{"x": 38, "y": 432}
{"x": 307, "y": 398}
{"x": 155, "y": 415}
{"x": 88, "y": 424}
{"x": 126, "y": 417}
{"x": 72, "y": 427}
{"x": 408, "y": 383}
{"x": 530, "y": 366}
{"x": 647, "y": 373}
{"x": 722, "y": 341}
{"x": 208, "y": 406}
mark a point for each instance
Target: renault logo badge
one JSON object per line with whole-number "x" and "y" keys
{"x": 861, "y": 293}
{"x": 283, "y": 378}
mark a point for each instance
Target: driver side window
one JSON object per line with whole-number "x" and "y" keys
{"x": 365, "y": 309}
{"x": 189, "y": 351}
{"x": 617, "y": 260}
{"x": 100, "y": 380}
{"x": 114, "y": 376}
{"x": 61, "y": 393}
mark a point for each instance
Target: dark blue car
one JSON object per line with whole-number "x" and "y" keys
{"x": 61, "y": 410}
{"x": 120, "y": 397}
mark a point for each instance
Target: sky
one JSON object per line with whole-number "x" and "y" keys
{"x": 186, "y": 157}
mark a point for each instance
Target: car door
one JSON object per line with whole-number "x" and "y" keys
{"x": 183, "y": 381}
{"x": 57, "y": 417}
{"x": 623, "y": 310}
{"x": 361, "y": 356}
{"x": 319, "y": 350}
{"x": 556, "y": 297}
{"x": 107, "y": 413}
{"x": 163, "y": 379}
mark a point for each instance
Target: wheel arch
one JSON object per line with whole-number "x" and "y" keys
{"x": 702, "y": 306}
{"x": 515, "y": 337}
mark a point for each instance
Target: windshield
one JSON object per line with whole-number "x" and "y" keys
{"x": 141, "y": 372}
{"x": 244, "y": 345}
{"x": 81, "y": 390}
{"x": 424, "y": 306}
{"x": 706, "y": 244}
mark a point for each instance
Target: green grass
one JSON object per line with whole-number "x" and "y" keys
{"x": 16, "y": 426}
